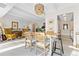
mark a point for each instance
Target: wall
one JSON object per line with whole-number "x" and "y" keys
{"x": 24, "y": 14}
{"x": 50, "y": 14}
{"x": 7, "y": 21}
{"x": 64, "y": 8}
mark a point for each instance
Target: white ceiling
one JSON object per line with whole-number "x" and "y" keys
{"x": 27, "y": 12}
{"x": 62, "y": 6}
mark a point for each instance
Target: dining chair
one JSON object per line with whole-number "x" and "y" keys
{"x": 41, "y": 42}
{"x": 51, "y": 35}
{"x": 28, "y": 39}
{"x": 54, "y": 48}
{"x": 56, "y": 37}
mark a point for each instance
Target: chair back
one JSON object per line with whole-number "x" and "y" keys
{"x": 50, "y": 33}
{"x": 25, "y": 30}
{"x": 27, "y": 34}
{"x": 40, "y": 37}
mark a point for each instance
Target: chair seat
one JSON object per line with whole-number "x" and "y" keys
{"x": 42, "y": 44}
{"x": 28, "y": 41}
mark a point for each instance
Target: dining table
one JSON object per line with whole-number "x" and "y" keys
{"x": 51, "y": 37}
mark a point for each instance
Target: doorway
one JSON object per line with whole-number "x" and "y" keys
{"x": 66, "y": 26}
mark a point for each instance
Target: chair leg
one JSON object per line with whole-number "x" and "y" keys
{"x": 36, "y": 50}
{"x": 62, "y": 50}
{"x": 53, "y": 48}
{"x": 25, "y": 43}
{"x": 45, "y": 51}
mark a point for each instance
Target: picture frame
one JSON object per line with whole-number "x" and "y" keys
{"x": 14, "y": 25}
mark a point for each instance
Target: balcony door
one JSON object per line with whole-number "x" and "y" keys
{"x": 66, "y": 25}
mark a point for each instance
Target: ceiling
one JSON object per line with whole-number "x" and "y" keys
{"x": 26, "y": 10}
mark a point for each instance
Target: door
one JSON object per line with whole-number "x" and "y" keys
{"x": 66, "y": 25}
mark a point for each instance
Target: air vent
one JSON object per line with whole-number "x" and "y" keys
{"x": 2, "y": 5}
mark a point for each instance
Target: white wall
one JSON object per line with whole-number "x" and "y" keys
{"x": 50, "y": 14}
{"x": 8, "y": 18}
{"x": 23, "y": 13}
{"x": 53, "y": 11}
{"x": 64, "y": 8}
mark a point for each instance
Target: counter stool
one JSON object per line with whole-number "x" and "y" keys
{"x": 54, "y": 46}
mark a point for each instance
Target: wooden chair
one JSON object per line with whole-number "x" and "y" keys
{"x": 28, "y": 40}
{"x": 24, "y": 30}
{"x": 59, "y": 39}
{"x": 40, "y": 41}
{"x": 50, "y": 33}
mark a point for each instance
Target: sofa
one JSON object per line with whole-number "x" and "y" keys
{"x": 9, "y": 34}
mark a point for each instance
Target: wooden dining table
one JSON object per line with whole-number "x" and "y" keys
{"x": 51, "y": 38}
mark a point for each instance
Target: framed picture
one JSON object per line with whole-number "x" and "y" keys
{"x": 14, "y": 25}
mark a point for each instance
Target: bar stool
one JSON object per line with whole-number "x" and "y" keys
{"x": 54, "y": 47}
